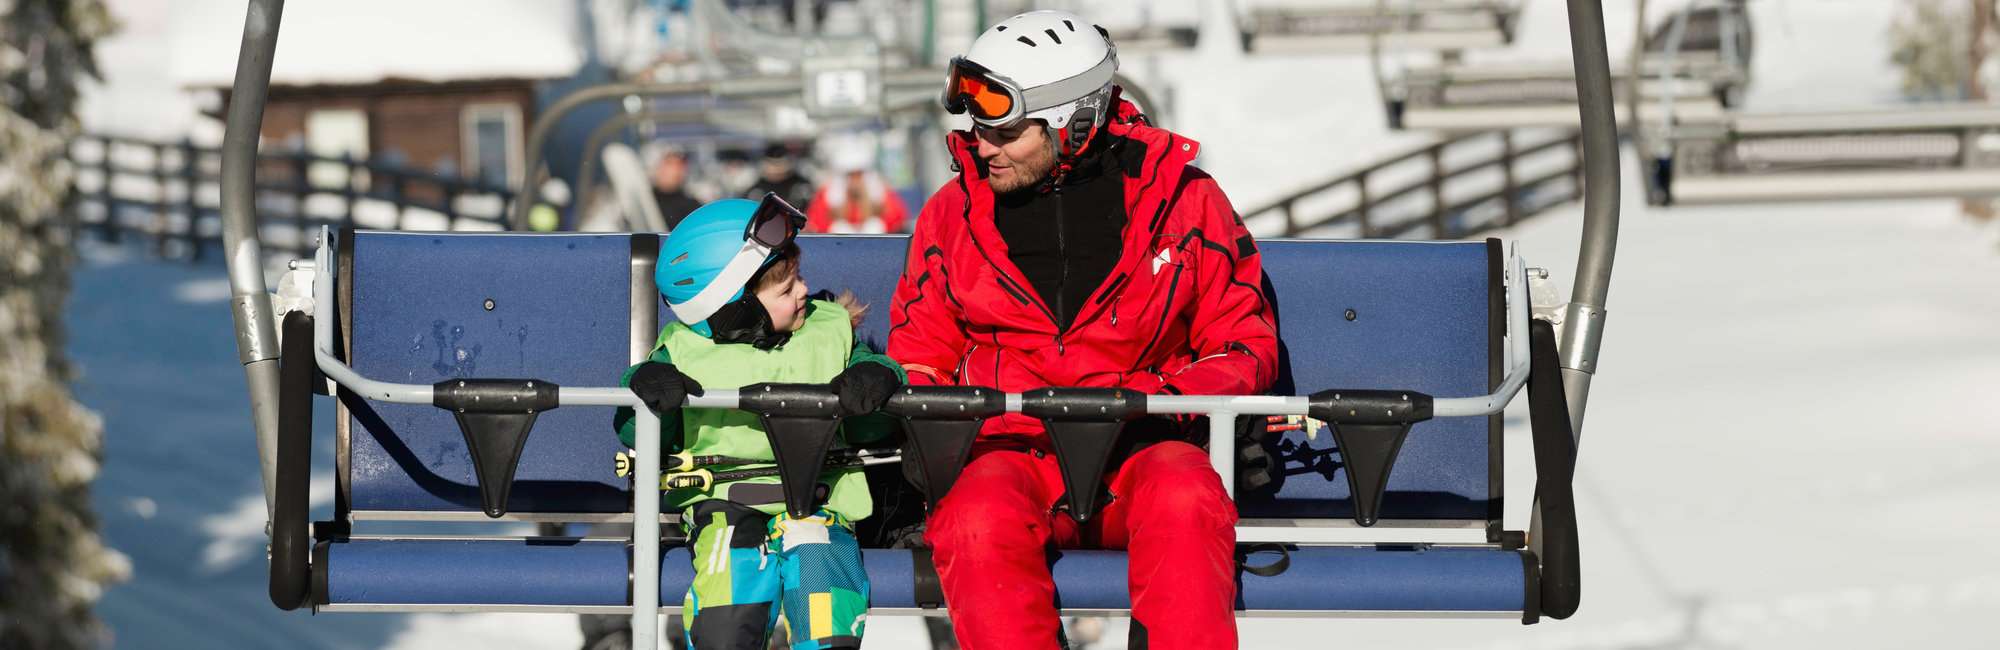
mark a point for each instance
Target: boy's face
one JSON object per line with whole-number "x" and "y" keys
{"x": 786, "y": 302}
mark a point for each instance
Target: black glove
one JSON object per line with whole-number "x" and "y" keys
{"x": 662, "y": 386}
{"x": 865, "y": 387}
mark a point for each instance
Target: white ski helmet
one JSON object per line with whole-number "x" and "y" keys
{"x": 1048, "y": 65}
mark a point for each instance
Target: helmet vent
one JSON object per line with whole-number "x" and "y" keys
{"x": 1000, "y": 28}
{"x": 683, "y": 258}
{"x": 1024, "y": 39}
{"x": 1053, "y": 36}
{"x": 1070, "y": 25}
{"x": 683, "y": 282}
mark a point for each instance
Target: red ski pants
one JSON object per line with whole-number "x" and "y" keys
{"x": 990, "y": 538}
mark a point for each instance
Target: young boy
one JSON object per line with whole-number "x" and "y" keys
{"x": 730, "y": 274}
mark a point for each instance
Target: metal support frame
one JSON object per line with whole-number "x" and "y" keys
{"x": 1583, "y": 328}
{"x": 250, "y": 302}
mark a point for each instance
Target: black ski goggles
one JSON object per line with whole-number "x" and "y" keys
{"x": 775, "y": 223}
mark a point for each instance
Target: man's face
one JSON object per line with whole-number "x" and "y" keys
{"x": 671, "y": 173}
{"x": 1016, "y": 157}
{"x": 776, "y": 169}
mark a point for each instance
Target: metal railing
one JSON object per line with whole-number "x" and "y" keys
{"x": 1449, "y": 189}
{"x": 170, "y": 192}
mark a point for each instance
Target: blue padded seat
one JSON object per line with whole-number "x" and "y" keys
{"x": 593, "y": 573}
{"x": 1423, "y": 321}
{"x": 414, "y": 310}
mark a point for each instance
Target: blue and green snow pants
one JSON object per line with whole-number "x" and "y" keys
{"x": 751, "y": 567}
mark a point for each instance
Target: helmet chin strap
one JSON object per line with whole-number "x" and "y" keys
{"x": 1070, "y": 144}
{"x": 745, "y": 320}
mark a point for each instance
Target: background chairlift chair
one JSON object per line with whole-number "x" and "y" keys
{"x": 1438, "y": 339}
{"x": 1323, "y": 26}
{"x": 1948, "y": 150}
{"x": 1697, "y": 61}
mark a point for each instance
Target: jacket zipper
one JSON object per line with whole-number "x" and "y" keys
{"x": 1062, "y": 253}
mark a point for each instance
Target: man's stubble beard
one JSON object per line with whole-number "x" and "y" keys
{"x": 1027, "y": 173}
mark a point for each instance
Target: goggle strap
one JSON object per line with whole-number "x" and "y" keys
{"x": 1068, "y": 90}
{"x": 723, "y": 288}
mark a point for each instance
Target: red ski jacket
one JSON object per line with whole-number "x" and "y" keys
{"x": 1183, "y": 311}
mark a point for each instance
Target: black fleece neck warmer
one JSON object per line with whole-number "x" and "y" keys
{"x": 745, "y": 320}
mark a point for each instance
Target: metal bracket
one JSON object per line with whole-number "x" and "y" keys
{"x": 942, "y": 421}
{"x": 800, "y": 420}
{"x": 1083, "y": 425}
{"x": 495, "y": 415}
{"x": 1369, "y": 427}
{"x": 1582, "y": 332}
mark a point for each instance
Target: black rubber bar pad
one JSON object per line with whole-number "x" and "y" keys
{"x": 1083, "y": 426}
{"x": 1369, "y": 427}
{"x": 495, "y": 415}
{"x": 800, "y": 420}
{"x": 942, "y": 422}
{"x": 291, "y": 540}
{"x": 1555, "y": 466}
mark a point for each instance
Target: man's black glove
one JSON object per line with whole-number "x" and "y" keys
{"x": 662, "y": 386}
{"x": 865, "y": 387}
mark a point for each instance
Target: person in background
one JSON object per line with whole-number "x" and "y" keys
{"x": 856, "y": 199}
{"x": 778, "y": 173}
{"x": 670, "y": 184}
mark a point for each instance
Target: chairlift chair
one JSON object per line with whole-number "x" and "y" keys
{"x": 1354, "y": 26}
{"x": 1695, "y": 64}
{"x": 1949, "y": 150}
{"x": 1392, "y": 509}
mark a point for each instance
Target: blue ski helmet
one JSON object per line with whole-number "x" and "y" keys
{"x": 713, "y": 253}
{"x": 694, "y": 256}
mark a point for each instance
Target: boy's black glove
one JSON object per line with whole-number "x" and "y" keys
{"x": 865, "y": 387}
{"x": 662, "y": 386}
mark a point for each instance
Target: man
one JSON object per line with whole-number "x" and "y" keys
{"x": 778, "y": 174}
{"x": 670, "y": 180}
{"x": 1078, "y": 247}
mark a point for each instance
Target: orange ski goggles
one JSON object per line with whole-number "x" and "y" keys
{"x": 990, "y": 99}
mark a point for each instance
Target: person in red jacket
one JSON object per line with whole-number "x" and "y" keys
{"x": 856, "y": 199}
{"x": 1079, "y": 247}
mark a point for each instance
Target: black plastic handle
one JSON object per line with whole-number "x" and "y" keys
{"x": 789, "y": 400}
{"x": 946, "y": 403}
{"x": 1084, "y": 404}
{"x": 1369, "y": 427}
{"x": 942, "y": 422}
{"x": 495, "y": 415}
{"x": 1083, "y": 425}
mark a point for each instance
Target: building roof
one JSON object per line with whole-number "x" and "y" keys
{"x": 365, "y": 41}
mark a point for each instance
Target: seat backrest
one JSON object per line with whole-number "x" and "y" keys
{"x": 425, "y": 307}
{"x": 1352, "y": 314}
{"x": 1423, "y": 316}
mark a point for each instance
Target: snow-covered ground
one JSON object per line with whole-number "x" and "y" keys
{"x": 1793, "y": 442}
